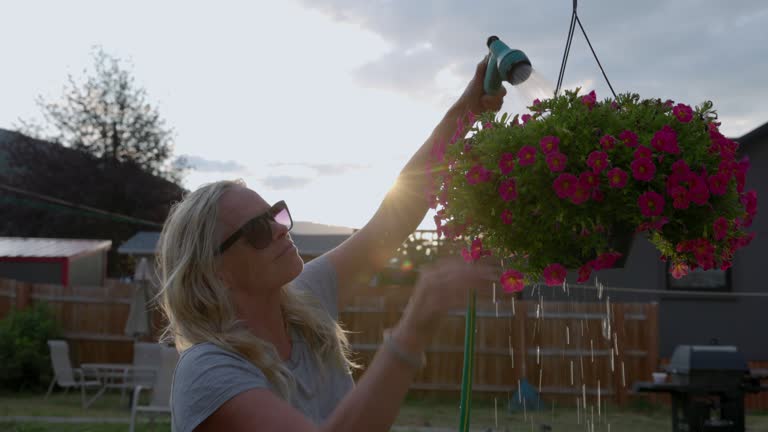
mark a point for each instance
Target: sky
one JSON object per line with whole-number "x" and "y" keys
{"x": 322, "y": 102}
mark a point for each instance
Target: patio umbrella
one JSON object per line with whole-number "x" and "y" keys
{"x": 138, "y": 318}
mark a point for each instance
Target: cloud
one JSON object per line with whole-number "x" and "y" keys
{"x": 680, "y": 50}
{"x": 280, "y": 182}
{"x": 207, "y": 165}
{"x": 323, "y": 169}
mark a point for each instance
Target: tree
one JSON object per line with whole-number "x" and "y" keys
{"x": 109, "y": 117}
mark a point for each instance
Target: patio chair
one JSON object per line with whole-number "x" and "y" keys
{"x": 146, "y": 361}
{"x": 160, "y": 397}
{"x": 64, "y": 374}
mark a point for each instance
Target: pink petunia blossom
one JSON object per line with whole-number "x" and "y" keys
{"x": 680, "y": 198}
{"x": 598, "y": 161}
{"x": 589, "y": 100}
{"x": 536, "y": 102}
{"x": 487, "y": 125}
{"x": 526, "y": 118}
{"x": 629, "y": 138}
{"x": 606, "y": 260}
{"x": 526, "y": 156}
{"x": 584, "y": 272}
{"x": 589, "y": 180}
{"x": 556, "y": 161}
{"x": 643, "y": 169}
{"x": 741, "y": 172}
{"x": 642, "y": 152}
{"x": 698, "y": 191}
{"x": 720, "y": 228}
{"x": 506, "y": 217}
{"x": 554, "y": 274}
{"x": 665, "y": 140}
{"x": 475, "y": 251}
{"x": 718, "y": 184}
{"x": 704, "y": 252}
{"x": 651, "y": 204}
{"x": 678, "y": 270}
{"x": 607, "y": 142}
{"x": 478, "y": 174}
{"x": 617, "y": 178}
{"x": 681, "y": 168}
{"x": 580, "y": 194}
{"x": 512, "y": 281}
{"x": 598, "y": 195}
{"x": 565, "y": 185}
{"x": 507, "y": 163}
{"x": 508, "y": 190}
{"x": 683, "y": 112}
{"x": 549, "y": 144}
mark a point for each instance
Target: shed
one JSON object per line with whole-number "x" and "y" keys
{"x": 54, "y": 260}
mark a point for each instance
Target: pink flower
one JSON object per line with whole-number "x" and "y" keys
{"x": 507, "y": 163}
{"x": 506, "y": 217}
{"x": 556, "y": 161}
{"x": 478, "y": 174}
{"x": 549, "y": 144}
{"x": 665, "y": 140}
{"x": 642, "y": 152}
{"x": 584, "y": 272}
{"x": 651, "y": 204}
{"x": 526, "y": 118}
{"x": 643, "y": 169}
{"x": 565, "y": 185}
{"x": 589, "y": 180}
{"x": 475, "y": 252}
{"x": 554, "y": 274}
{"x": 749, "y": 200}
{"x": 526, "y": 156}
{"x": 508, "y": 190}
{"x": 598, "y": 161}
{"x": 720, "y": 228}
{"x": 681, "y": 168}
{"x": 704, "y": 252}
{"x": 512, "y": 281}
{"x": 684, "y": 113}
{"x": 536, "y": 102}
{"x": 580, "y": 194}
{"x": 589, "y": 100}
{"x": 487, "y": 125}
{"x": 680, "y": 198}
{"x": 718, "y": 184}
{"x": 741, "y": 172}
{"x": 617, "y": 178}
{"x": 699, "y": 192}
{"x": 606, "y": 260}
{"x": 678, "y": 270}
{"x": 598, "y": 195}
{"x": 629, "y": 138}
{"x": 607, "y": 142}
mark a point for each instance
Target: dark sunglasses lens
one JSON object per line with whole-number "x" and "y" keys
{"x": 283, "y": 217}
{"x": 258, "y": 233}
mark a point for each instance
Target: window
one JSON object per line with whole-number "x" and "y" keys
{"x": 701, "y": 280}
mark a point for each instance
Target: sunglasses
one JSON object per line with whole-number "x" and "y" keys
{"x": 258, "y": 231}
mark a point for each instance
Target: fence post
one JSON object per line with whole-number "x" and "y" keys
{"x": 23, "y": 295}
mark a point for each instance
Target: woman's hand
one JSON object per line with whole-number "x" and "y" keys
{"x": 442, "y": 286}
{"x": 474, "y": 99}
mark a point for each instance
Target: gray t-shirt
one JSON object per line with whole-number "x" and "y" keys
{"x": 207, "y": 376}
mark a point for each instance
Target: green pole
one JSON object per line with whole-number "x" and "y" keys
{"x": 469, "y": 363}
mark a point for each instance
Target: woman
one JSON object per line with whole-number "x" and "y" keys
{"x": 261, "y": 349}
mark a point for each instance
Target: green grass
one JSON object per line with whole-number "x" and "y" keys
{"x": 434, "y": 412}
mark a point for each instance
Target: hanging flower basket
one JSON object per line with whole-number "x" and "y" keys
{"x": 568, "y": 185}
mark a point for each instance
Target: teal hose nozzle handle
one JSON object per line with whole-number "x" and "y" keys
{"x": 505, "y": 63}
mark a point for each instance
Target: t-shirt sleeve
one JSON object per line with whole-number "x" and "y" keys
{"x": 206, "y": 377}
{"x": 319, "y": 278}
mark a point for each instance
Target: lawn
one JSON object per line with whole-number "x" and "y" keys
{"x": 108, "y": 414}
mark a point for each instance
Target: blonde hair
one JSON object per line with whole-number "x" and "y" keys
{"x": 198, "y": 306}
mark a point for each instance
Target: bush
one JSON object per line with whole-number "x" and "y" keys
{"x": 24, "y": 350}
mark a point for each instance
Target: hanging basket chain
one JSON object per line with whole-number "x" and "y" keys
{"x": 575, "y": 20}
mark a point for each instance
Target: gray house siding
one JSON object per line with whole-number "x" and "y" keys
{"x": 88, "y": 269}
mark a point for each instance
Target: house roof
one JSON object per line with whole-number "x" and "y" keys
{"x": 145, "y": 243}
{"x": 758, "y": 134}
{"x": 28, "y": 247}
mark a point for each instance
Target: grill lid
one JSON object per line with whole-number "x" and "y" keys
{"x": 689, "y": 359}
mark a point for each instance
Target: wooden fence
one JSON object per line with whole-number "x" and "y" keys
{"x": 567, "y": 351}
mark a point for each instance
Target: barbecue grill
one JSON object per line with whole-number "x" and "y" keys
{"x": 707, "y": 385}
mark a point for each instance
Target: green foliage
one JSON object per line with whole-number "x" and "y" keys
{"x": 24, "y": 350}
{"x": 546, "y": 228}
